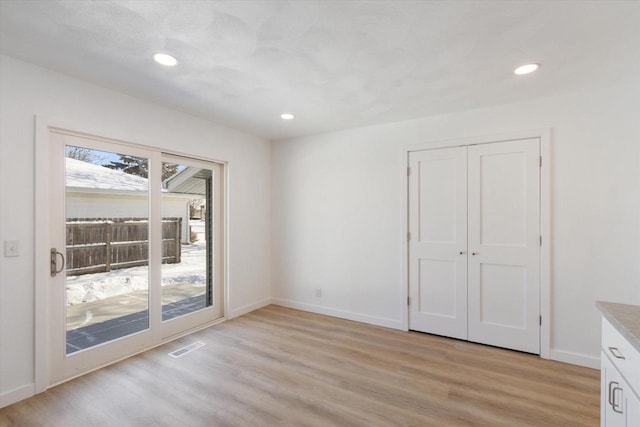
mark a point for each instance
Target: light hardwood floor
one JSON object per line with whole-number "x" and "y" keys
{"x": 278, "y": 366}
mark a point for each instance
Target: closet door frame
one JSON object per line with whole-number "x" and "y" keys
{"x": 544, "y": 136}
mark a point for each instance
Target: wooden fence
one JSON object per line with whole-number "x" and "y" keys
{"x": 103, "y": 244}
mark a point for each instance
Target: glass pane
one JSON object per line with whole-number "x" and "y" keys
{"x": 186, "y": 240}
{"x": 107, "y": 232}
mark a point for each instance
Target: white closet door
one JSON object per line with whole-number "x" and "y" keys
{"x": 438, "y": 243}
{"x": 504, "y": 245}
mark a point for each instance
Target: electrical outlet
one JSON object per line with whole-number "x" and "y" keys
{"x": 11, "y": 248}
{"x": 318, "y": 293}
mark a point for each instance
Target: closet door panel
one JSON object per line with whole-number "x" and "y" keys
{"x": 503, "y": 238}
{"x": 437, "y": 248}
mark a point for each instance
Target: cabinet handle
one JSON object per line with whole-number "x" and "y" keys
{"x": 475, "y": 253}
{"x": 610, "y": 398}
{"x": 615, "y": 405}
{"x": 616, "y": 353}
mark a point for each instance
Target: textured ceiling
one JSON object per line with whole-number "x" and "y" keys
{"x": 334, "y": 64}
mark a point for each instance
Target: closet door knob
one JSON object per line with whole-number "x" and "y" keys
{"x": 475, "y": 253}
{"x": 461, "y": 252}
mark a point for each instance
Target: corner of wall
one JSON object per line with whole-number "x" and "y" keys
{"x": 249, "y": 308}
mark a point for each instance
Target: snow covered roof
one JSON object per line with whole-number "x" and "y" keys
{"x": 85, "y": 177}
{"x": 88, "y": 175}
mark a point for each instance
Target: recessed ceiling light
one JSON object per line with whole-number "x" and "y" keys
{"x": 164, "y": 59}
{"x": 526, "y": 69}
{"x": 287, "y": 116}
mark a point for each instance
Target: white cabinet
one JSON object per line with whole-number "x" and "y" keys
{"x": 633, "y": 410}
{"x": 474, "y": 243}
{"x": 614, "y": 393}
{"x": 620, "y": 362}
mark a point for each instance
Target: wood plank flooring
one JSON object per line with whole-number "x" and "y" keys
{"x": 283, "y": 367}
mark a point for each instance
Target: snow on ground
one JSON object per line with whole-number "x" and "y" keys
{"x": 97, "y": 286}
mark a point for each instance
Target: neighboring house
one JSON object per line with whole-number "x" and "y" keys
{"x": 95, "y": 191}
{"x": 191, "y": 180}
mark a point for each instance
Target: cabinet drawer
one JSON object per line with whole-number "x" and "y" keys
{"x": 633, "y": 410}
{"x": 613, "y": 398}
{"x": 623, "y": 355}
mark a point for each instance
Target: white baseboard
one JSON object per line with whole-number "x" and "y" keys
{"x": 17, "y": 394}
{"x": 575, "y": 358}
{"x": 249, "y": 307}
{"x": 343, "y": 314}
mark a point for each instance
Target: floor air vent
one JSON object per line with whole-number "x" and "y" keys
{"x": 188, "y": 349}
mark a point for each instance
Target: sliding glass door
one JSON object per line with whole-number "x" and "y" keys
{"x": 191, "y": 271}
{"x": 106, "y": 248}
{"x": 136, "y": 250}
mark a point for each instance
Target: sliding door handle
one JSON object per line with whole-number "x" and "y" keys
{"x": 54, "y": 262}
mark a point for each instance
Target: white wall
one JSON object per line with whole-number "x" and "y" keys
{"x": 337, "y": 211}
{"x": 27, "y": 90}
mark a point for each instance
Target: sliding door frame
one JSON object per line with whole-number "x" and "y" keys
{"x": 64, "y": 365}
{"x": 43, "y": 127}
{"x": 215, "y": 252}
{"x": 544, "y": 136}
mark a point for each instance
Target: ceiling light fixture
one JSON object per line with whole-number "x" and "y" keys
{"x": 287, "y": 116}
{"x": 526, "y": 69}
{"x": 164, "y": 59}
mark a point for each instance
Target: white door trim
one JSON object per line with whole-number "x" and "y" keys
{"x": 544, "y": 135}
{"x": 43, "y": 125}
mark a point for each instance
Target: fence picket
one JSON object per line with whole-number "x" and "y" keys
{"x": 104, "y": 244}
